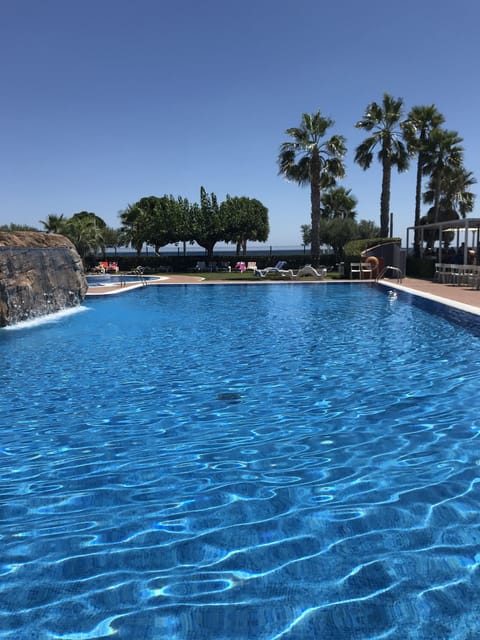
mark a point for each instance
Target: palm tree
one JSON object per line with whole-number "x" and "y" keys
{"x": 384, "y": 123}
{"x": 111, "y": 238}
{"x": 443, "y": 154}
{"x": 307, "y": 160}
{"x": 421, "y": 120}
{"x": 94, "y": 227}
{"x": 54, "y": 223}
{"x": 85, "y": 235}
{"x": 135, "y": 226}
{"x": 338, "y": 202}
{"x": 456, "y": 198}
{"x": 458, "y": 191}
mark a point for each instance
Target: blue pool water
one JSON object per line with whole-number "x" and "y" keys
{"x": 107, "y": 278}
{"x": 237, "y": 462}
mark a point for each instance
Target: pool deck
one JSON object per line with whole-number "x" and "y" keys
{"x": 464, "y": 298}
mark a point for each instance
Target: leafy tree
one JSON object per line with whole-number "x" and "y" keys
{"x": 88, "y": 215}
{"x": 384, "y": 123}
{"x": 337, "y": 231}
{"x": 367, "y": 229}
{"x": 184, "y": 231}
{"x": 207, "y": 222}
{"x": 421, "y": 121}
{"x": 16, "y": 227}
{"x": 443, "y": 154}
{"x": 336, "y": 234}
{"x": 245, "y": 219}
{"x": 308, "y": 160}
{"x": 163, "y": 215}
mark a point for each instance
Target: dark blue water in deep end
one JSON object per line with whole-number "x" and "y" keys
{"x": 232, "y": 462}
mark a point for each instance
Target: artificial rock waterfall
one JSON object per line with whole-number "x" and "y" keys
{"x": 40, "y": 274}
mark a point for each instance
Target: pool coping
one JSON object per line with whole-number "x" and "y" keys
{"x": 107, "y": 289}
{"x": 452, "y": 296}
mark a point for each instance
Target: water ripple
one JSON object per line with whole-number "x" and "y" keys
{"x": 269, "y": 489}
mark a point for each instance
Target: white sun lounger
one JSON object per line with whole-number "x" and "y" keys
{"x": 277, "y": 269}
{"x": 308, "y": 270}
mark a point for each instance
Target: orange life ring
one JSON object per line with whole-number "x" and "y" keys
{"x": 375, "y": 263}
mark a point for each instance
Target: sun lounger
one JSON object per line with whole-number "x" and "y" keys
{"x": 278, "y": 269}
{"x": 308, "y": 270}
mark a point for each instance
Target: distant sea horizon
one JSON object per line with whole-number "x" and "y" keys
{"x": 220, "y": 249}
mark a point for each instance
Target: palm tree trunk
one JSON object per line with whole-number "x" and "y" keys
{"x": 436, "y": 205}
{"x": 315, "y": 202}
{"x": 385, "y": 197}
{"x": 418, "y": 200}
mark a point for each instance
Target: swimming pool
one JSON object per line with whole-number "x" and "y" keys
{"x": 108, "y": 279}
{"x": 237, "y": 462}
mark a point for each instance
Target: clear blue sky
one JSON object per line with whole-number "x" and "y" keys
{"x": 106, "y": 101}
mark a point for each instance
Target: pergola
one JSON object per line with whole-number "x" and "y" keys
{"x": 466, "y": 225}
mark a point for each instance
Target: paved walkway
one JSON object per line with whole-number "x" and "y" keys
{"x": 464, "y": 298}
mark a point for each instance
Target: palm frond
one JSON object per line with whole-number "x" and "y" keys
{"x": 364, "y": 152}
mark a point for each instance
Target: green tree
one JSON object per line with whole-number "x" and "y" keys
{"x": 367, "y": 229}
{"x": 443, "y": 154}
{"x": 112, "y": 238}
{"x": 337, "y": 231}
{"x": 456, "y": 198}
{"x": 306, "y": 231}
{"x": 85, "y": 234}
{"x": 338, "y": 202}
{"x": 207, "y": 222}
{"x": 135, "y": 226}
{"x": 245, "y": 219}
{"x": 184, "y": 229}
{"x": 421, "y": 121}
{"x": 54, "y": 223}
{"x": 94, "y": 219}
{"x": 163, "y": 214}
{"x": 307, "y": 159}
{"x": 337, "y": 234}
{"x": 383, "y": 121}
{"x": 17, "y": 227}
{"x": 92, "y": 228}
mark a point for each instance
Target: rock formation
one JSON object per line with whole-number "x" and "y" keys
{"x": 40, "y": 273}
